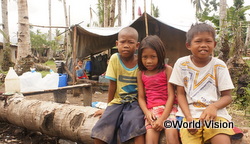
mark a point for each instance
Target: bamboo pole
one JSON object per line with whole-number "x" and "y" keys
{"x": 48, "y": 26}
{"x": 146, "y": 19}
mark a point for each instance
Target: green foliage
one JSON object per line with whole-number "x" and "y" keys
{"x": 44, "y": 73}
{"x": 49, "y": 63}
{"x": 155, "y": 11}
{"x": 100, "y": 7}
{"x": 40, "y": 42}
{"x": 6, "y": 60}
{"x": 235, "y": 15}
{"x": 248, "y": 62}
{"x": 245, "y": 99}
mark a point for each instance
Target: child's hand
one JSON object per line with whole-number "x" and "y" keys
{"x": 99, "y": 113}
{"x": 192, "y": 131}
{"x": 209, "y": 113}
{"x": 76, "y": 68}
{"x": 150, "y": 117}
{"x": 158, "y": 124}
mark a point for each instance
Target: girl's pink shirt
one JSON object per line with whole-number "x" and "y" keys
{"x": 156, "y": 89}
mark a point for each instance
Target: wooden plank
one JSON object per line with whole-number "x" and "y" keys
{"x": 60, "y": 93}
{"x": 59, "y": 88}
{"x": 92, "y": 82}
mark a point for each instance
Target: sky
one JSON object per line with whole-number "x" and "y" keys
{"x": 177, "y": 13}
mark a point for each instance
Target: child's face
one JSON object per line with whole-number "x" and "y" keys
{"x": 202, "y": 45}
{"x": 79, "y": 63}
{"x": 127, "y": 45}
{"x": 149, "y": 58}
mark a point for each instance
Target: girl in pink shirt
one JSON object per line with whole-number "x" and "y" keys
{"x": 156, "y": 96}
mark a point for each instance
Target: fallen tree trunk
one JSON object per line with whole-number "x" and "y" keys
{"x": 40, "y": 67}
{"x": 61, "y": 120}
{"x": 54, "y": 119}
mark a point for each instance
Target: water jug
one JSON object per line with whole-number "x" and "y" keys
{"x": 30, "y": 81}
{"x": 12, "y": 82}
{"x": 50, "y": 81}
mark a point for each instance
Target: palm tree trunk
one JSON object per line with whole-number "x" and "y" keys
{"x": 223, "y": 30}
{"x": 106, "y": 13}
{"x": 54, "y": 119}
{"x": 247, "y": 42}
{"x": 5, "y": 22}
{"x": 133, "y": 9}
{"x": 119, "y": 12}
{"x": 50, "y": 20}
{"x": 112, "y": 14}
{"x": 66, "y": 38}
{"x": 6, "y": 60}
{"x": 24, "y": 48}
{"x": 50, "y": 53}
{"x": 24, "y": 54}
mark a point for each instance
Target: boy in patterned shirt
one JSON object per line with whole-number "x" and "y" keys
{"x": 203, "y": 89}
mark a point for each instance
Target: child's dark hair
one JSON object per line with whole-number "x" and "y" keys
{"x": 154, "y": 42}
{"x": 80, "y": 60}
{"x": 198, "y": 28}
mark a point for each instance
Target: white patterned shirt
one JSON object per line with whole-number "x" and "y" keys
{"x": 202, "y": 84}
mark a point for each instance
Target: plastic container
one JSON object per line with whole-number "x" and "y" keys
{"x": 50, "y": 81}
{"x": 12, "y": 82}
{"x": 88, "y": 66}
{"x": 30, "y": 81}
{"x": 62, "y": 80}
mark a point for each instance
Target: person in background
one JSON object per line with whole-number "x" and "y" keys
{"x": 203, "y": 89}
{"x": 80, "y": 70}
{"x": 155, "y": 95}
{"x": 123, "y": 114}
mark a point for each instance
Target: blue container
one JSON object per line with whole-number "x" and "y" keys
{"x": 62, "y": 80}
{"x": 88, "y": 66}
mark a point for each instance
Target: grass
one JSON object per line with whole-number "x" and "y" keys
{"x": 44, "y": 73}
{"x": 50, "y": 64}
{"x": 248, "y": 62}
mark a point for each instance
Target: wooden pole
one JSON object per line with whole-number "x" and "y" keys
{"x": 74, "y": 55}
{"x": 146, "y": 19}
{"x": 47, "y": 26}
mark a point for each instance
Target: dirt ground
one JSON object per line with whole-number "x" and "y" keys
{"x": 11, "y": 134}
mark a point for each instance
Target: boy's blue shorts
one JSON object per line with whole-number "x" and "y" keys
{"x": 125, "y": 119}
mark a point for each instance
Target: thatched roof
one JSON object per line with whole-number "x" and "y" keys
{"x": 95, "y": 40}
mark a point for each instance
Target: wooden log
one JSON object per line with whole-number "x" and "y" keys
{"x": 40, "y": 67}
{"x": 61, "y": 120}
{"x": 54, "y": 119}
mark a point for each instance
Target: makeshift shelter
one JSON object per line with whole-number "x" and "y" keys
{"x": 90, "y": 41}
